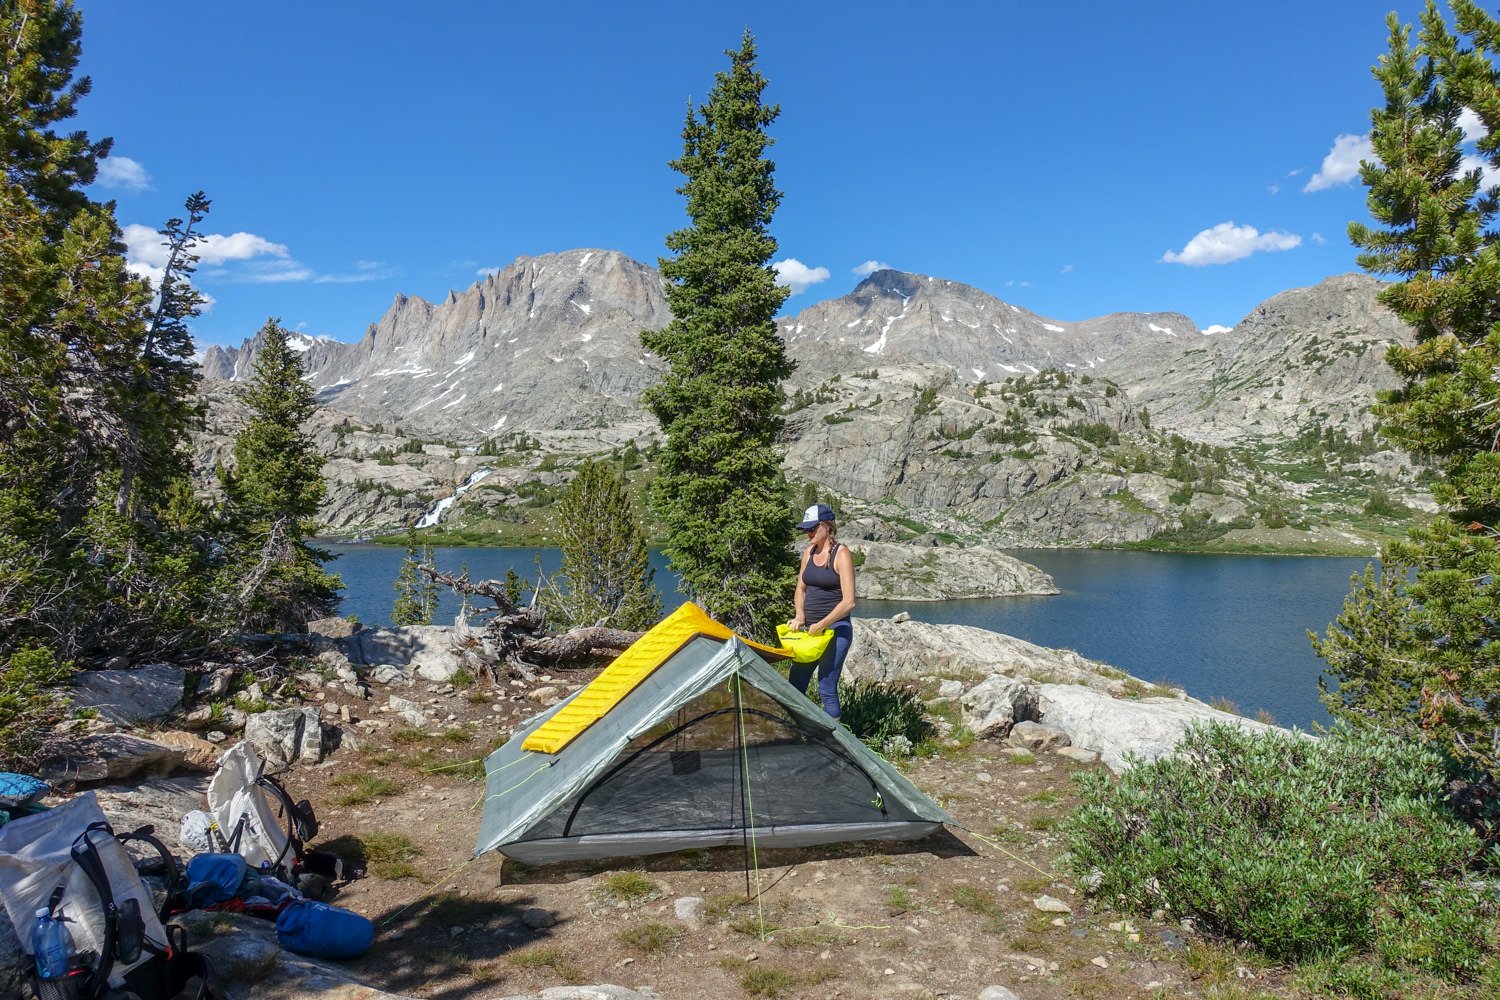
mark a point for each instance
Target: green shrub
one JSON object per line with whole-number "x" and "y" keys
{"x": 1301, "y": 848}
{"x": 30, "y": 701}
{"x": 887, "y": 717}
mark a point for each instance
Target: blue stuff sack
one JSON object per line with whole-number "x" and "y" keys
{"x": 20, "y": 790}
{"x": 323, "y": 931}
{"x": 214, "y": 878}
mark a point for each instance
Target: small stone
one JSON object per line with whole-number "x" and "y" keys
{"x": 455, "y": 931}
{"x": 890, "y": 972}
{"x": 689, "y": 910}
{"x": 1100, "y": 961}
{"x": 1050, "y": 904}
{"x": 216, "y": 736}
{"x": 627, "y": 961}
{"x": 544, "y": 693}
{"x": 1059, "y": 921}
{"x": 984, "y": 777}
{"x": 537, "y": 918}
{"x": 997, "y": 993}
{"x": 900, "y": 616}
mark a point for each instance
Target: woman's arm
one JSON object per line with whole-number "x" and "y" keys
{"x": 843, "y": 562}
{"x": 799, "y": 596}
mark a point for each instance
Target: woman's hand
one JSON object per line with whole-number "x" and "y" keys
{"x": 816, "y": 629}
{"x": 795, "y": 625}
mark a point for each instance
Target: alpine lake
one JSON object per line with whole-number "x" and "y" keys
{"x": 1218, "y": 626}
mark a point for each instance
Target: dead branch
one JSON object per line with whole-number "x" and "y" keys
{"x": 515, "y": 639}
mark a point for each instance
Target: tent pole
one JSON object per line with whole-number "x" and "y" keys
{"x": 739, "y": 739}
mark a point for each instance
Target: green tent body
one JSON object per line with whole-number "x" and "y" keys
{"x": 712, "y": 747}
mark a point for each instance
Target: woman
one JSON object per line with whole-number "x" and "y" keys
{"x": 825, "y": 597}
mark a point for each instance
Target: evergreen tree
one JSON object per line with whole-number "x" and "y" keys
{"x": 40, "y": 44}
{"x": 1417, "y": 650}
{"x": 721, "y": 494}
{"x": 273, "y": 495}
{"x": 83, "y": 394}
{"x": 606, "y": 577}
{"x": 416, "y": 596}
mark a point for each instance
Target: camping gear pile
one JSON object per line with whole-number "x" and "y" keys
{"x": 94, "y": 915}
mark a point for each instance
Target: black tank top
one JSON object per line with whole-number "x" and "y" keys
{"x": 824, "y": 590}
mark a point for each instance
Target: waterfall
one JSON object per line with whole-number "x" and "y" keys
{"x": 440, "y": 508}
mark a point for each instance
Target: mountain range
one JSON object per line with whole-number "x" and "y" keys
{"x": 548, "y": 350}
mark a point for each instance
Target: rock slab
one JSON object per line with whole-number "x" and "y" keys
{"x": 128, "y": 697}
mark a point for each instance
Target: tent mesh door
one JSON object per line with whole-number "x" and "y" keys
{"x": 685, "y": 775}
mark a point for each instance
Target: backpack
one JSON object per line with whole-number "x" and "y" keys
{"x": 69, "y": 861}
{"x": 254, "y": 816}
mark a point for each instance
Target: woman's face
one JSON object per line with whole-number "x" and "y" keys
{"x": 818, "y": 533}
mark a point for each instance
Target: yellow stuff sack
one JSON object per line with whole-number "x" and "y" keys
{"x": 803, "y": 647}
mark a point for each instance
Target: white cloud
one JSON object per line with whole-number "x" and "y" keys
{"x": 124, "y": 173}
{"x": 798, "y": 276}
{"x": 1318, "y": 239}
{"x": 488, "y": 272}
{"x": 1067, "y": 269}
{"x": 215, "y": 249}
{"x": 1213, "y": 328}
{"x": 1294, "y": 173}
{"x": 869, "y": 267}
{"x": 364, "y": 270}
{"x": 268, "y": 272}
{"x": 1474, "y": 129}
{"x": 146, "y": 246}
{"x": 1341, "y": 165}
{"x": 1488, "y": 175}
{"x": 1273, "y": 188}
{"x": 1227, "y": 242}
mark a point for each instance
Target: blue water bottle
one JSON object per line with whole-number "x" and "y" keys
{"x": 51, "y": 945}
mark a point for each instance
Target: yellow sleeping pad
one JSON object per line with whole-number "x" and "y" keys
{"x": 629, "y": 669}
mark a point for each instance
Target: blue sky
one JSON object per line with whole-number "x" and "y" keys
{"x": 1074, "y": 159}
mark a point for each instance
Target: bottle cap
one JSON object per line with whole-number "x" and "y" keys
{"x": 42, "y": 911}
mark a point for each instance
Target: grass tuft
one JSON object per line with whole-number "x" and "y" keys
{"x": 653, "y": 938}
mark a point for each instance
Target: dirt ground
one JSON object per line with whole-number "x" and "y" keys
{"x": 944, "y": 916}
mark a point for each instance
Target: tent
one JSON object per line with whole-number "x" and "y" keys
{"x": 691, "y": 738}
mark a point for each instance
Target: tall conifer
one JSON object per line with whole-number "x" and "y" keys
{"x": 1417, "y": 648}
{"x": 721, "y": 495}
{"x": 274, "y": 493}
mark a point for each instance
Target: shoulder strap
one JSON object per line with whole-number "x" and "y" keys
{"x": 173, "y": 874}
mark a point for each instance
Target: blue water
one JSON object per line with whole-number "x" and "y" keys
{"x": 1230, "y": 627}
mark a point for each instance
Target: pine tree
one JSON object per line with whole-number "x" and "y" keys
{"x": 1418, "y": 650}
{"x": 606, "y": 577}
{"x": 40, "y": 45}
{"x": 83, "y": 394}
{"x": 721, "y": 493}
{"x": 416, "y": 598}
{"x": 273, "y": 495}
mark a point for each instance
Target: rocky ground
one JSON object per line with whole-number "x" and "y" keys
{"x": 986, "y": 905}
{"x": 394, "y": 768}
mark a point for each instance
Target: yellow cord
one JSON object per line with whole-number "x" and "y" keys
{"x": 452, "y": 874}
{"x": 996, "y": 845}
